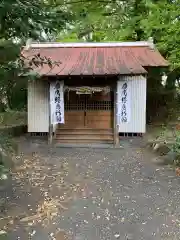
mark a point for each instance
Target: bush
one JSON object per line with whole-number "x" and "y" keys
{"x": 8, "y": 148}
{"x": 175, "y": 148}
{"x": 10, "y": 118}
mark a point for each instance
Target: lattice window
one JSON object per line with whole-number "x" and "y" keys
{"x": 99, "y": 105}
{"x": 92, "y": 105}
{"x": 77, "y": 106}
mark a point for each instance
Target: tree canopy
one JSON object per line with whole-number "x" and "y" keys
{"x": 85, "y": 20}
{"x": 20, "y": 20}
{"x": 134, "y": 20}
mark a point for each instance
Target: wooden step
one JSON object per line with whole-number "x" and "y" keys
{"x": 84, "y": 137}
{"x": 80, "y": 141}
{"x": 68, "y": 133}
{"x": 83, "y": 130}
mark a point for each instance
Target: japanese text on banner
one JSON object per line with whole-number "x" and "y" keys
{"x": 124, "y": 104}
{"x": 57, "y": 102}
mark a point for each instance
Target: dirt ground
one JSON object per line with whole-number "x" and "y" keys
{"x": 90, "y": 194}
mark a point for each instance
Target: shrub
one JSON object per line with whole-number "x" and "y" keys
{"x": 175, "y": 148}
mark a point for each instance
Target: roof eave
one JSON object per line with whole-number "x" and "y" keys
{"x": 164, "y": 65}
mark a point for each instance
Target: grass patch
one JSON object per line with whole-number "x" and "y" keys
{"x": 165, "y": 140}
{"x": 161, "y": 133}
{"x": 3, "y": 235}
{"x": 8, "y": 148}
{"x": 13, "y": 118}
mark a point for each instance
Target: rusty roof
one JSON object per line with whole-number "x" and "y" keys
{"x": 98, "y": 60}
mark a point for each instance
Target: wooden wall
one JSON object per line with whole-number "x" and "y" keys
{"x": 137, "y": 123}
{"x": 38, "y": 106}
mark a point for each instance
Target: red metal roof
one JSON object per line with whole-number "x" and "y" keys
{"x": 97, "y": 60}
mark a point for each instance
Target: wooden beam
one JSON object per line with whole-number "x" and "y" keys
{"x": 116, "y": 130}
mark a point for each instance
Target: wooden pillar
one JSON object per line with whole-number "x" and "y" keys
{"x": 116, "y": 130}
{"x": 50, "y": 135}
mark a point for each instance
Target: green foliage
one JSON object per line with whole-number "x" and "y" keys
{"x": 13, "y": 118}
{"x": 129, "y": 20}
{"x": 20, "y": 20}
{"x": 3, "y": 235}
{"x": 7, "y": 149}
{"x": 24, "y": 19}
{"x": 18, "y": 97}
{"x": 7, "y": 144}
{"x": 3, "y": 172}
{"x": 175, "y": 148}
{"x": 164, "y": 25}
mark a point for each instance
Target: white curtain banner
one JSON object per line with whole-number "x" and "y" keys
{"x": 124, "y": 102}
{"x": 57, "y": 102}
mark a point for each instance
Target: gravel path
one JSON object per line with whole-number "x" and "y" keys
{"x": 91, "y": 194}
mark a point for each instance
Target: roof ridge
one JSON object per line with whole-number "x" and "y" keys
{"x": 31, "y": 44}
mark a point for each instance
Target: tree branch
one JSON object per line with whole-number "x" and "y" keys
{"x": 88, "y": 1}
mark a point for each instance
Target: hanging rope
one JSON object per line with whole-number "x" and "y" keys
{"x": 87, "y": 89}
